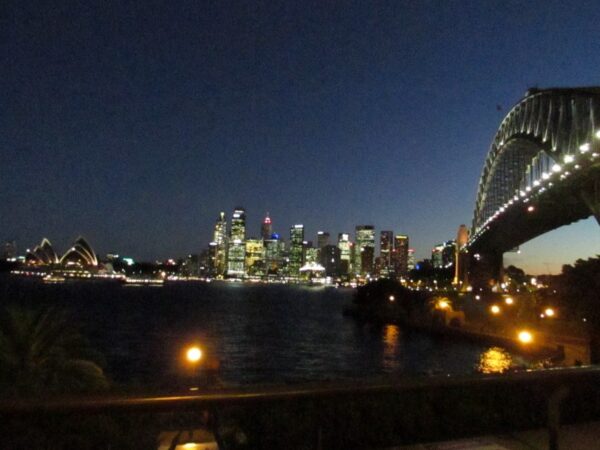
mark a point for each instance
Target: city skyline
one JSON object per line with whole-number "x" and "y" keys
{"x": 387, "y": 121}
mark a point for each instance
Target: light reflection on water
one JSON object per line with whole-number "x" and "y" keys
{"x": 391, "y": 342}
{"x": 494, "y": 360}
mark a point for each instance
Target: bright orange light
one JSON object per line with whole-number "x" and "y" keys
{"x": 549, "y": 312}
{"x": 495, "y": 309}
{"x": 194, "y": 354}
{"x": 392, "y": 298}
{"x": 525, "y": 337}
{"x": 509, "y": 301}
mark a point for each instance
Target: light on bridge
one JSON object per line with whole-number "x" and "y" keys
{"x": 584, "y": 147}
{"x": 568, "y": 159}
{"x": 556, "y": 168}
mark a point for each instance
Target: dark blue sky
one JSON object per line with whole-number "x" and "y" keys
{"x": 134, "y": 124}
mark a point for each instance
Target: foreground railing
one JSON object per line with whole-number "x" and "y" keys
{"x": 375, "y": 413}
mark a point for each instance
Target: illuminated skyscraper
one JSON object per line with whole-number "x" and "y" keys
{"x": 345, "y": 247}
{"x": 386, "y": 244}
{"x": 400, "y": 256}
{"x": 274, "y": 250}
{"x": 266, "y": 229}
{"x": 365, "y": 250}
{"x": 219, "y": 252}
{"x": 236, "y": 264}
{"x": 296, "y": 250}
{"x": 255, "y": 257}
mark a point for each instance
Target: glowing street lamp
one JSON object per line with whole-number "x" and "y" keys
{"x": 549, "y": 312}
{"x": 193, "y": 354}
{"x": 495, "y": 309}
{"x": 392, "y": 298}
{"x": 509, "y": 300}
{"x": 525, "y": 337}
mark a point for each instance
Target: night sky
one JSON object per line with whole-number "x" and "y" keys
{"x": 134, "y": 124}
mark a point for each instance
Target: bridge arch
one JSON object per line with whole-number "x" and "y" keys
{"x": 542, "y": 134}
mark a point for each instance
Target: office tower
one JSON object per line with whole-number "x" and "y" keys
{"x": 296, "y": 250}
{"x": 400, "y": 256}
{"x": 411, "y": 259}
{"x": 255, "y": 255}
{"x": 330, "y": 260}
{"x": 274, "y": 249}
{"x": 311, "y": 255}
{"x": 220, "y": 250}
{"x": 345, "y": 247}
{"x": 212, "y": 260}
{"x": 386, "y": 244}
{"x": 237, "y": 248}
{"x": 436, "y": 256}
{"x": 460, "y": 258}
{"x": 365, "y": 250}
{"x": 266, "y": 229}
{"x": 322, "y": 239}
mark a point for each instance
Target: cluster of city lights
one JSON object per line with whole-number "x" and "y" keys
{"x": 545, "y": 182}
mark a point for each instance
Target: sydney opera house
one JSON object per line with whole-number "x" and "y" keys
{"x": 80, "y": 254}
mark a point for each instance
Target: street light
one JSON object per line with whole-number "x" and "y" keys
{"x": 508, "y": 300}
{"x": 495, "y": 309}
{"x": 525, "y": 337}
{"x": 549, "y": 312}
{"x": 193, "y": 354}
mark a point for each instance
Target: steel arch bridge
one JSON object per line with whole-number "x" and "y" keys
{"x": 542, "y": 170}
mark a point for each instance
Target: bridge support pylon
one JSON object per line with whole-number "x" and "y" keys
{"x": 591, "y": 196}
{"x": 485, "y": 269}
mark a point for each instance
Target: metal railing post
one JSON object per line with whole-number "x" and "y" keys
{"x": 554, "y": 402}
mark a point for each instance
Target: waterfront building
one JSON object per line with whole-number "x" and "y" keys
{"x": 386, "y": 244}
{"x": 255, "y": 257}
{"x": 42, "y": 254}
{"x": 80, "y": 254}
{"x": 345, "y": 247}
{"x": 330, "y": 260}
{"x": 236, "y": 261}
{"x": 400, "y": 256}
{"x": 296, "y": 250}
{"x": 266, "y": 228}
{"x": 365, "y": 250}
{"x": 219, "y": 265}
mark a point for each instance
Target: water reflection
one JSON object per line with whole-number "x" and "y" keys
{"x": 494, "y": 360}
{"x": 391, "y": 344}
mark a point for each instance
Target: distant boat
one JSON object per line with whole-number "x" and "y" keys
{"x": 53, "y": 279}
{"x": 144, "y": 281}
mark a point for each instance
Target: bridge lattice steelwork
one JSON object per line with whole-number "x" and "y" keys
{"x": 548, "y": 137}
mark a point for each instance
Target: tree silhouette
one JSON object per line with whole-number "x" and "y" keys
{"x": 41, "y": 353}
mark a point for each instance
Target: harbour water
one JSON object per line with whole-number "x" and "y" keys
{"x": 259, "y": 333}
